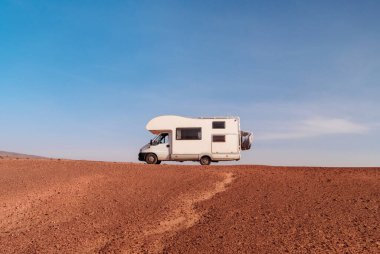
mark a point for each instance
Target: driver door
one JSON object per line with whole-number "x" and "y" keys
{"x": 163, "y": 147}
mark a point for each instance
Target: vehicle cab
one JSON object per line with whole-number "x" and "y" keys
{"x": 157, "y": 150}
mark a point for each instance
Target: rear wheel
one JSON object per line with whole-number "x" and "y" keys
{"x": 205, "y": 160}
{"x": 151, "y": 158}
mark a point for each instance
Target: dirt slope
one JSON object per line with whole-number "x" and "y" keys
{"x": 11, "y": 155}
{"x": 64, "y": 206}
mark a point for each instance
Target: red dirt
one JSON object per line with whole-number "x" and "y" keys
{"x": 64, "y": 206}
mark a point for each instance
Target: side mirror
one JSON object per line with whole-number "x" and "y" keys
{"x": 151, "y": 142}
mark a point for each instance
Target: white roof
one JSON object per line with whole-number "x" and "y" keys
{"x": 168, "y": 122}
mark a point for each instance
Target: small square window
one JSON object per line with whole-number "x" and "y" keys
{"x": 218, "y": 138}
{"x": 219, "y": 125}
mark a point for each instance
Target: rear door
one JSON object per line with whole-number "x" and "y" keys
{"x": 225, "y": 143}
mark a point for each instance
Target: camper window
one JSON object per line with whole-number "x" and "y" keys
{"x": 189, "y": 134}
{"x": 218, "y": 138}
{"x": 219, "y": 125}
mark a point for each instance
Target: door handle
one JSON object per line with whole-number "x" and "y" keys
{"x": 167, "y": 145}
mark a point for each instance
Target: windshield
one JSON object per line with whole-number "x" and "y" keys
{"x": 161, "y": 139}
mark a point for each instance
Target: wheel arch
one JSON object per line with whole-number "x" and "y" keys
{"x": 205, "y": 154}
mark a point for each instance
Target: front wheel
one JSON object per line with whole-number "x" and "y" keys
{"x": 205, "y": 160}
{"x": 151, "y": 158}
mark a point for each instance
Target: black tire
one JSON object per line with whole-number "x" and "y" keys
{"x": 205, "y": 160}
{"x": 158, "y": 162}
{"x": 151, "y": 158}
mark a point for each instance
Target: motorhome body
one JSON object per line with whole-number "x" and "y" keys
{"x": 195, "y": 139}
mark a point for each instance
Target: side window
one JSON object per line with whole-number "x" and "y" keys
{"x": 164, "y": 138}
{"x": 218, "y": 138}
{"x": 218, "y": 125}
{"x": 189, "y": 134}
{"x": 160, "y": 139}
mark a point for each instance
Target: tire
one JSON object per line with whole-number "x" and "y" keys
{"x": 205, "y": 160}
{"x": 158, "y": 162}
{"x": 151, "y": 158}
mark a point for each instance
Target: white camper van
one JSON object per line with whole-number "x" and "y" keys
{"x": 195, "y": 139}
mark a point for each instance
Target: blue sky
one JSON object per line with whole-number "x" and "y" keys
{"x": 80, "y": 79}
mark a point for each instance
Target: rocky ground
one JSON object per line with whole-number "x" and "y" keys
{"x": 63, "y": 206}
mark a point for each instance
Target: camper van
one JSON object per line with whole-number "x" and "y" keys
{"x": 200, "y": 139}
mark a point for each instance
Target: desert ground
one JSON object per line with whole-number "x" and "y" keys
{"x": 64, "y": 206}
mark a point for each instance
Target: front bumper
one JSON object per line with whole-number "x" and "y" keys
{"x": 142, "y": 156}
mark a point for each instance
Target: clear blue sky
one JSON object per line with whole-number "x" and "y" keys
{"x": 80, "y": 79}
